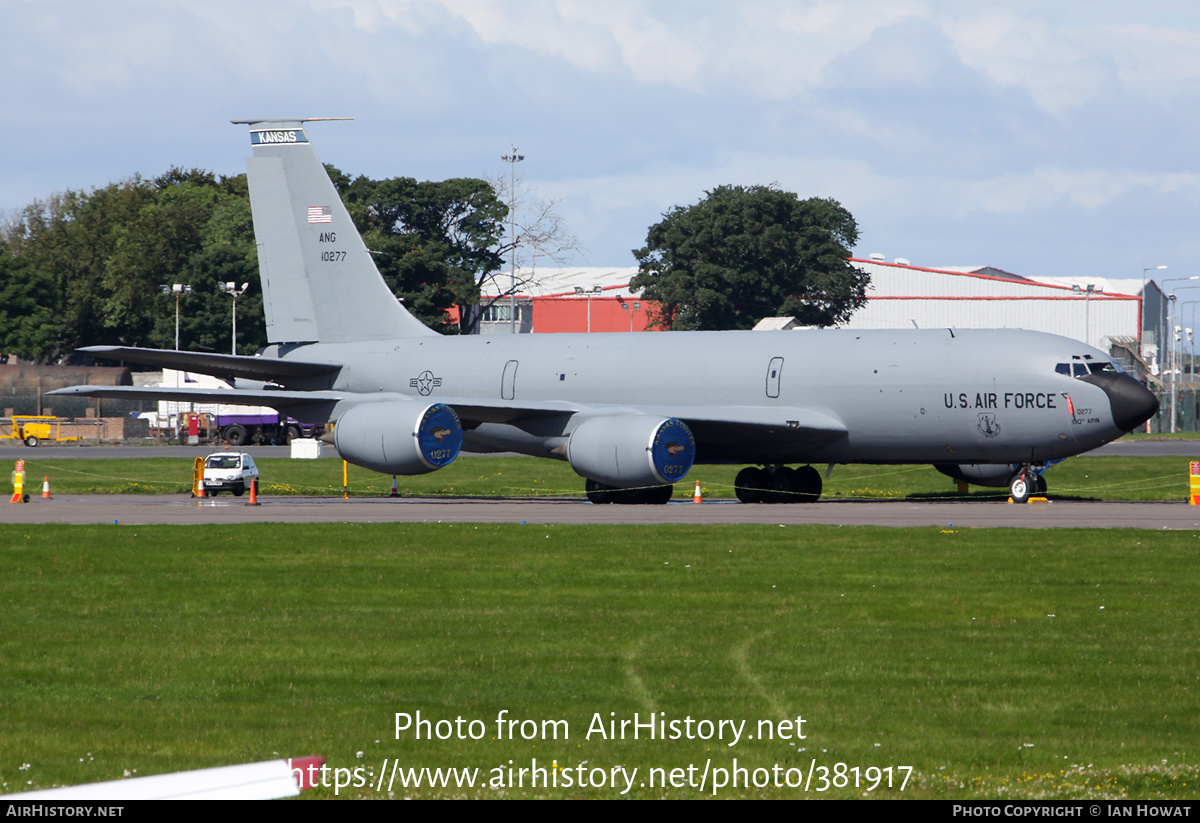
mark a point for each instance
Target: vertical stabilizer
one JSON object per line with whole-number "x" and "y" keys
{"x": 318, "y": 279}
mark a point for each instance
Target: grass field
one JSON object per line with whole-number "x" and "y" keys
{"x": 1101, "y": 478}
{"x": 994, "y": 663}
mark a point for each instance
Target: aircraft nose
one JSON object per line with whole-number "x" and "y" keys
{"x": 1132, "y": 403}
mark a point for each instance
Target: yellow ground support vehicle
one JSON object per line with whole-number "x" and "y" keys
{"x": 32, "y": 429}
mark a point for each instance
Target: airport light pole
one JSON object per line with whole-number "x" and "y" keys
{"x": 1192, "y": 359}
{"x": 233, "y": 291}
{"x": 512, "y": 159}
{"x": 1172, "y": 292}
{"x": 1189, "y": 334}
{"x": 595, "y": 290}
{"x": 636, "y": 308}
{"x": 179, "y": 290}
{"x": 1176, "y": 337}
{"x": 1171, "y": 296}
{"x": 1171, "y": 357}
{"x": 1092, "y": 288}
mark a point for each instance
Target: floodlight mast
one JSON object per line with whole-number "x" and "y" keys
{"x": 233, "y": 291}
{"x": 179, "y": 290}
{"x": 512, "y": 159}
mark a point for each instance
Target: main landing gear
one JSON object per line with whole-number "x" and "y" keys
{"x": 648, "y": 495}
{"x": 1026, "y": 483}
{"x": 778, "y": 484}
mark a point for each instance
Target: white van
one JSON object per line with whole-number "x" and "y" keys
{"x": 229, "y": 471}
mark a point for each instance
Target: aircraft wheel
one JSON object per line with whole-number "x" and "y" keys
{"x": 31, "y": 441}
{"x": 750, "y": 485}
{"x": 808, "y": 485}
{"x": 645, "y": 496}
{"x": 627, "y": 497}
{"x": 235, "y": 435}
{"x": 781, "y": 485}
{"x": 1020, "y": 487}
{"x": 658, "y": 495}
{"x": 1041, "y": 484}
{"x": 598, "y": 492}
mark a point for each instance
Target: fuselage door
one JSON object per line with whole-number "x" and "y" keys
{"x": 508, "y": 383}
{"x": 773, "y": 372}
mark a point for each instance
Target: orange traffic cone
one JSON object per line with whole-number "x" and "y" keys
{"x": 253, "y": 493}
{"x": 697, "y": 498}
{"x": 46, "y": 488}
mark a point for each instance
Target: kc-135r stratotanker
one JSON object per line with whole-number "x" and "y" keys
{"x": 631, "y": 412}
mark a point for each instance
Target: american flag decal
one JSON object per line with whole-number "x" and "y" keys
{"x": 320, "y": 214}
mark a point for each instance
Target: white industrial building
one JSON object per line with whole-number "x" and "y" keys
{"x": 1095, "y": 311}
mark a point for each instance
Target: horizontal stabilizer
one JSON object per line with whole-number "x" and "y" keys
{"x": 225, "y": 366}
{"x": 233, "y": 397}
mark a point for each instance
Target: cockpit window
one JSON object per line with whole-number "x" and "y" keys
{"x": 1080, "y": 369}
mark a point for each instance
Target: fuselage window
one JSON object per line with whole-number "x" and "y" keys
{"x": 1063, "y": 368}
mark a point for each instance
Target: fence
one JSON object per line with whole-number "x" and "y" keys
{"x": 1187, "y": 411}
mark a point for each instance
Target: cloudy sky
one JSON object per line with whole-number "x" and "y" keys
{"x": 1051, "y": 139}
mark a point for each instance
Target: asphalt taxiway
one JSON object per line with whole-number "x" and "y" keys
{"x": 47, "y": 451}
{"x": 186, "y": 511}
{"x": 179, "y": 510}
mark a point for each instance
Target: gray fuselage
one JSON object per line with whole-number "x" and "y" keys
{"x": 938, "y": 395}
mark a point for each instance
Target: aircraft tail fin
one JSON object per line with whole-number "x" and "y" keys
{"x": 318, "y": 279}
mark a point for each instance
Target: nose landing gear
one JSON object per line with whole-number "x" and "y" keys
{"x": 1026, "y": 483}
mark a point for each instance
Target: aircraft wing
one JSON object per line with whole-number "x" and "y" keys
{"x": 318, "y": 406}
{"x": 238, "y": 397}
{"x": 723, "y": 433}
{"x": 251, "y": 781}
{"x": 225, "y": 366}
{"x": 739, "y": 434}
{"x": 715, "y": 426}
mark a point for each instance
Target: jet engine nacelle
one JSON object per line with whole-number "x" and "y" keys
{"x": 979, "y": 474}
{"x": 399, "y": 437}
{"x": 633, "y": 450}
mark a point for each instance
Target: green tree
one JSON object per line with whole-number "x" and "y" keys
{"x": 82, "y": 268}
{"x": 744, "y": 253}
{"x": 28, "y": 327}
{"x": 85, "y": 268}
{"x": 433, "y": 241}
